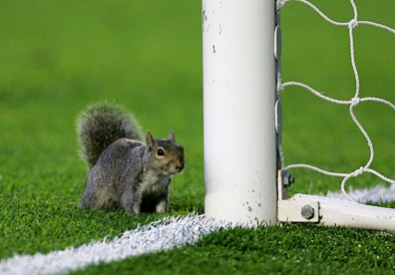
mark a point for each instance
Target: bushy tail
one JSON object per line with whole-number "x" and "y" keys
{"x": 100, "y": 125}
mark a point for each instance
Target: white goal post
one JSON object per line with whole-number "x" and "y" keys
{"x": 239, "y": 96}
{"x": 245, "y": 177}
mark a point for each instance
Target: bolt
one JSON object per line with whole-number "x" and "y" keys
{"x": 288, "y": 179}
{"x": 307, "y": 212}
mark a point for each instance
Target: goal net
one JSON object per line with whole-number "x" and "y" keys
{"x": 355, "y": 119}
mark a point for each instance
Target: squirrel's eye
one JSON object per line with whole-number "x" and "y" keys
{"x": 160, "y": 152}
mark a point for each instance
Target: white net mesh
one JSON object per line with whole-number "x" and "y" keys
{"x": 353, "y": 102}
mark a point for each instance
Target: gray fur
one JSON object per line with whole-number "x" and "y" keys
{"x": 124, "y": 171}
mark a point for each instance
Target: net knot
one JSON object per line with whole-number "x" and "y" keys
{"x": 358, "y": 172}
{"x": 280, "y": 87}
{"x": 353, "y": 23}
{"x": 355, "y": 101}
{"x": 280, "y": 4}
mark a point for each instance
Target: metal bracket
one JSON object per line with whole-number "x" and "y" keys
{"x": 278, "y": 107}
{"x": 335, "y": 212}
{"x": 297, "y": 209}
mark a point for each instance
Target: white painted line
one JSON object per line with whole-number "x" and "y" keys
{"x": 375, "y": 194}
{"x": 161, "y": 235}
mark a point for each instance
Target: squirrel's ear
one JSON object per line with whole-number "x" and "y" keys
{"x": 149, "y": 139}
{"x": 171, "y": 136}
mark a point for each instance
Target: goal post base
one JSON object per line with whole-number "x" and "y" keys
{"x": 335, "y": 212}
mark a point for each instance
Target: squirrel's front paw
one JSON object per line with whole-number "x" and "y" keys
{"x": 161, "y": 207}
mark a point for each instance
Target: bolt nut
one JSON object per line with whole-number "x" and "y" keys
{"x": 307, "y": 212}
{"x": 288, "y": 179}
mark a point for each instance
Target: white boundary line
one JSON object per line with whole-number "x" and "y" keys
{"x": 164, "y": 234}
{"x": 375, "y": 194}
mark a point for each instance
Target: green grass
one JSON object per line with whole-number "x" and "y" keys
{"x": 58, "y": 56}
{"x": 286, "y": 249}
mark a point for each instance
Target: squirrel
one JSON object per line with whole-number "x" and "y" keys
{"x": 125, "y": 172}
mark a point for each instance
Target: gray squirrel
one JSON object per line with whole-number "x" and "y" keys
{"x": 125, "y": 171}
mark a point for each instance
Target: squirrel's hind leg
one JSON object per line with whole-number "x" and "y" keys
{"x": 130, "y": 201}
{"x": 99, "y": 198}
{"x": 106, "y": 199}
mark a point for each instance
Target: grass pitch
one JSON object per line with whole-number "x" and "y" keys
{"x": 57, "y": 57}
